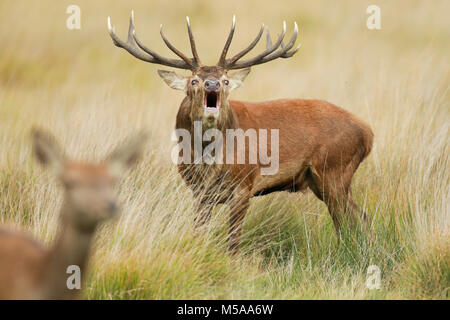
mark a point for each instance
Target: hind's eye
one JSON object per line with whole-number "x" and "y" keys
{"x": 226, "y": 82}
{"x": 194, "y": 82}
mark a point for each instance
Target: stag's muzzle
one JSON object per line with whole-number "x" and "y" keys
{"x": 212, "y": 85}
{"x": 212, "y": 93}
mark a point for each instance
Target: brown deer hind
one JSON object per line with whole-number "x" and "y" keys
{"x": 31, "y": 271}
{"x": 320, "y": 144}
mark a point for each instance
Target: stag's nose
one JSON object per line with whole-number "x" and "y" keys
{"x": 212, "y": 85}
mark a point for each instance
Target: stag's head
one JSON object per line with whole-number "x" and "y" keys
{"x": 209, "y": 86}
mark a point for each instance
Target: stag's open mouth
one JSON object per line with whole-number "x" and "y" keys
{"x": 212, "y": 101}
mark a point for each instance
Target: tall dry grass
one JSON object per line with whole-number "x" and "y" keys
{"x": 91, "y": 95}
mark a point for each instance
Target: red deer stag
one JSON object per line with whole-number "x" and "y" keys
{"x": 320, "y": 144}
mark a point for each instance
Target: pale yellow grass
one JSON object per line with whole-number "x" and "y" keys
{"x": 91, "y": 95}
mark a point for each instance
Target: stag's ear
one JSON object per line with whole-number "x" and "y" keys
{"x": 47, "y": 150}
{"x": 237, "y": 78}
{"x": 174, "y": 80}
{"x": 127, "y": 154}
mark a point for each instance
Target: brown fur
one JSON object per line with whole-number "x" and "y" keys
{"x": 320, "y": 147}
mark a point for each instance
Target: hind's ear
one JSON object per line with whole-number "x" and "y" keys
{"x": 127, "y": 154}
{"x": 47, "y": 150}
{"x": 174, "y": 80}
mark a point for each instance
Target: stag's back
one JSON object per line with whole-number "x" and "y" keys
{"x": 308, "y": 128}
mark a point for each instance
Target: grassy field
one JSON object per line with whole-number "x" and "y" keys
{"x": 91, "y": 95}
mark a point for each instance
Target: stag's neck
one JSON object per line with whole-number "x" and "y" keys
{"x": 187, "y": 117}
{"x": 227, "y": 118}
{"x": 71, "y": 248}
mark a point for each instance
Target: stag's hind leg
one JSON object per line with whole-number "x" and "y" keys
{"x": 238, "y": 209}
{"x": 364, "y": 219}
{"x": 359, "y": 215}
{"x": 333, "y": 188}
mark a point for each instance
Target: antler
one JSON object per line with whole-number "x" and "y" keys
{"x": 269, "y": 54}
{"x": 134, "y": 47}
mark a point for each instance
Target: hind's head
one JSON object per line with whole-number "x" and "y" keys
{"x": 90, "y": 188}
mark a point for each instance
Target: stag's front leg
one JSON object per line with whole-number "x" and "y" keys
{"x": 238, "y": 209}
{"x": 203, "y": 210}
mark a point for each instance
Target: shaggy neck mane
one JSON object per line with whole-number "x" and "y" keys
{"x": 187, "y": 116}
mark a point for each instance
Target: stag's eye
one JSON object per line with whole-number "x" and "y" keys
{"x": 226, "y": 82}
{"x": 194, "y": 82}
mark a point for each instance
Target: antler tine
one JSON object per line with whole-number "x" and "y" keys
{"x": 269, "y": 50}
{"x": 291, "y": 53}
{"x": 148, "y": 55}
{"x": 174, "y": 50}
{"x": 269, "y": 40}
{"x": 223, "y": 56}
{"x": 248, "y": 49}
{"x": 181, "y": 64}
{"x": 131, "y": 27}
{"x": 270, "y": 53}
{"x": 284, "y": 52}
{"x": 192, "y": 41}
{"x": 287, "y": 53}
